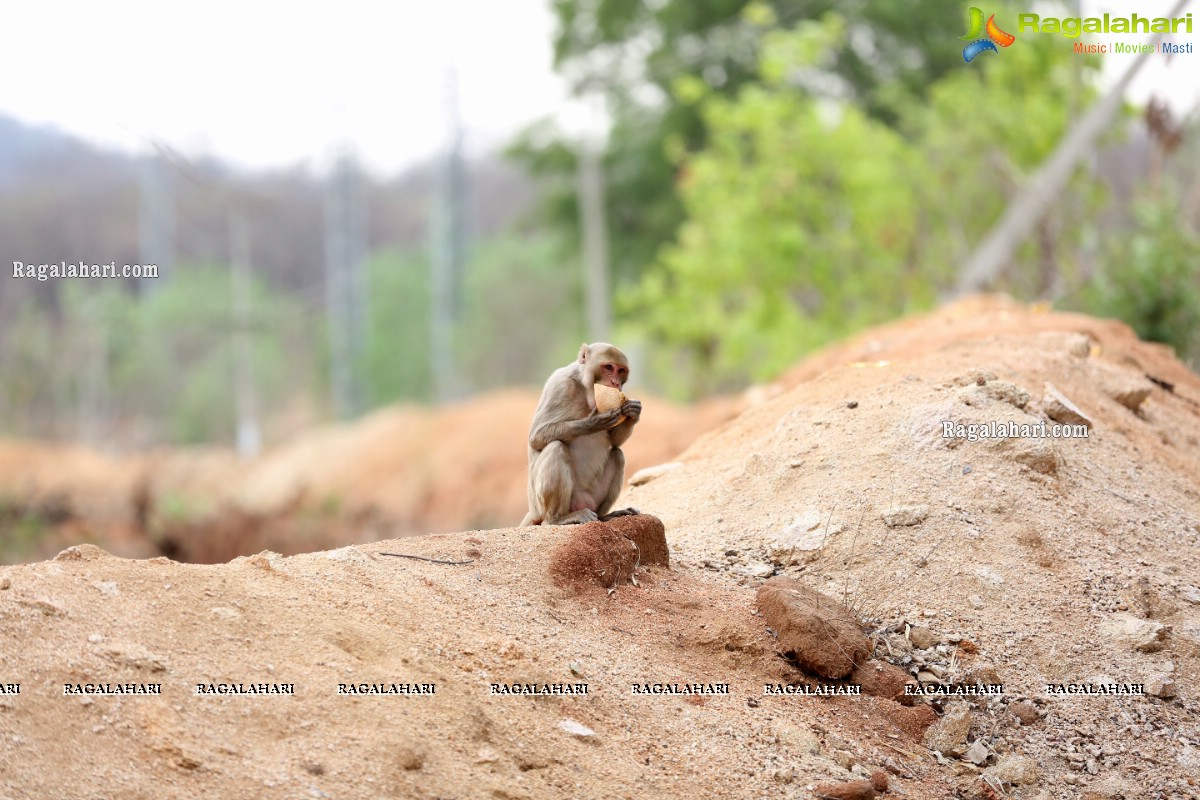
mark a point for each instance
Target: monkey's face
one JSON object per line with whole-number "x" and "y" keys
{"x": 612, "y": 374}
{"x": 603, "y": 363}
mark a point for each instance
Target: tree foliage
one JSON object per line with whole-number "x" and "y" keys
{"x": 636, "y": 53}
{"x": 159, "y": 367}
{"x": 808, "y": 218}
{"x": 1151, "y": 279}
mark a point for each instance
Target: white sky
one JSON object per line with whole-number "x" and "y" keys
{"x": 273, "y": 83}
{"x": 1177, "y": 79}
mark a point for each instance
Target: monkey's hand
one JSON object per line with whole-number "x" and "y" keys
{"x": 632, "y": 410}
{"x": 607, "y": 420}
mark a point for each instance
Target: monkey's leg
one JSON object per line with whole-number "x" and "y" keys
{"x": 614, "y": 474}
{"x": 553, "y": 481}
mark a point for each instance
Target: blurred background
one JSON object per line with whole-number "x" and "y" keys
{"x": 368, "y": 222}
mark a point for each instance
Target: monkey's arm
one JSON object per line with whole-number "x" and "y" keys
{"x": 632, "y": 411}
{"x": 568, "y": 430}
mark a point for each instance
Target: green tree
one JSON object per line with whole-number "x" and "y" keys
{"x": 808, "y": 218}
{"x": 1150, "y": 278}
{"x": 634, "y": 54}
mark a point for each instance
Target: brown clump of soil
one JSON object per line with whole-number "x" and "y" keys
{"x": 881, "y": 679}
{"x": 607, "y": 553}
{"x": 815, "y": 631}
{"x": 847, "y": 790}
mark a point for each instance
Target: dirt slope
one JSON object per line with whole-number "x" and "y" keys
{"x": 1041, "y": 561}
{"x": 1043, "y": 553}
{"x": 399, "y": 471}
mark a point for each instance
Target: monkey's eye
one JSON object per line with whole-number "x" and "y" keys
{"x": 608, "y": 367}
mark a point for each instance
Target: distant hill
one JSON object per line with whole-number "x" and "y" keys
{"x": 62, "y": 198}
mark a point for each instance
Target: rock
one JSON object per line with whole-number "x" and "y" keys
{"x": 758, "y": 570}
{"x": 604, "y": 553}
{"x": 1142, "y": 635}
{"x": 879, "y": 780}
{"x": 807, "y": 532}
{"x": 1024, "y": 711}
{"x": 982, "y": 672}
{"x": 643, "y": 476}
{"x": 904, "y": 515}
{"x": 134, "y": 655}
{"x": 990, "y": 575}
{"x": 914, "y": 720}
{"x": 976, "y": 601}
{"x": 1127, "y": 388}
{"x": 1060, "y": 409}
{"x": 44, "y": 606}
{"x": 881, "y": 679}
{"x": 1079, "y": 345}
{"x": 575, "y": 728}
{"x": 486, "y": 755}
{"x": 1112, "y": 787}
{"x": 1190, "y": 594}
{"x": 799, "y": 739}
{"x": 849, "y": 790}
{"x": 948, "y": 735}
{"x": 107, "y": 588}
{"x": 1016, "y": 769}
{"x": 82, "y": 552}
{"x": 977, "y": 753}
{"x": 978, "y": 377}
{"x": 341, "y": 554}
{"x": 844, "y": 759}
{"x": 922, "y": 638}
{"x": 1006, "y": 392}
{"x": 5, "y": 582}
{"x": 784, "y": 775}
{"x": 1161, "y": 685}
{"x": 1040, "y": 455}
{"x": 816, "y": 631}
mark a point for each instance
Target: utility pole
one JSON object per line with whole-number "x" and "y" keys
{"x": 448, "y": 231}
{"x": 345, "y": 284}
{"x": 156, "y": 220}
{"x": 593, "y": 224}
{"x": 93, "y": 389}
{"x": 249, "y": 434}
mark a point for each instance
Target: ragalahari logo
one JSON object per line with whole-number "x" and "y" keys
{"x": 980, "y": 42}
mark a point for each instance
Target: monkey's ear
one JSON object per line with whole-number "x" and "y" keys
{"x": 583, "y": 353}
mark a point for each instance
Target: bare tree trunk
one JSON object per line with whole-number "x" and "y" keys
{"x": 595, "y": 243}
{"x": 996, "y": 250}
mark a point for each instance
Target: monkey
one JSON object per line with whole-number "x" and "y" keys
{"x": 576, "y": 467}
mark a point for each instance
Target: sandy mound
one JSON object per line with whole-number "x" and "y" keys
{"x": 1059, "y": 560}
{"x": 1017, "y": 561}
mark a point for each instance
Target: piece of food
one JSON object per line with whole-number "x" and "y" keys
{"x": 608, "y": 398}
